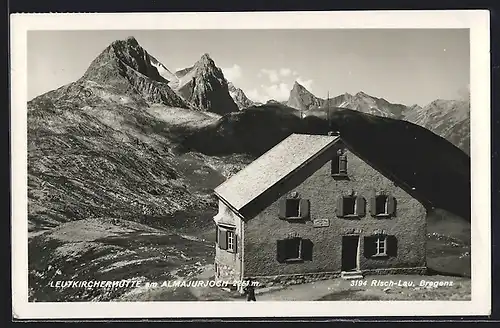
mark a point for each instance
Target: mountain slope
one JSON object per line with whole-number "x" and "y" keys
{"x": 239, "y": 96}
{"x": 447, "y": 118}
{"x": 204, "y": 86}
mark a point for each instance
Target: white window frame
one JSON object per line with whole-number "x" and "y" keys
{"x": 381, "y": 241}
{"x": 230, "y": 240}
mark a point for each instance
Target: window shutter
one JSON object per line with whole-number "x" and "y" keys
{"x": 282, "y": 210}
{"x": 391, "y": 205}
{"x": 392, "y": 246}
{"x": 281, "y": 251}
{"x": 335, "y": 165}
{"x": 369, "y": 247}
{"x": 304, "y": 208}
{"x": 343, "y": 164}
{"x": 340, "y": 207}
{"x": 373, "y": 206}
{"x": 216, "y": 234}
{"x": 222, "y": 238}
{"x": 360, "y": 206}
{"x": 307, "y": 249}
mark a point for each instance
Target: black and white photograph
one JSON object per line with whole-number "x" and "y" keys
{"x": 208, "y": 163}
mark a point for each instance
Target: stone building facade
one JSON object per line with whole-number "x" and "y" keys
{"x": 313, "y": 208}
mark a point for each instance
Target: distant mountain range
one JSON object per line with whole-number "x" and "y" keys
{"x": 447, "y": 118}
{"x": 126, "y": 69}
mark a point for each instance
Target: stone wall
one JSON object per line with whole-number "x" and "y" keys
{"x": 294, "y": 279}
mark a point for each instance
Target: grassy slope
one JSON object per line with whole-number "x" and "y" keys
{"x": 448, "y": 243}
{"x": 108, "y": 249}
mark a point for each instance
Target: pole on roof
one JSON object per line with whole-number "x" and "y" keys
{"x": 328, "y": 111}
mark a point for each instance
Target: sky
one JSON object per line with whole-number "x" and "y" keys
{"x": 412, "y": 66}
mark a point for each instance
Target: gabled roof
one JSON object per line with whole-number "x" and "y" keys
{"x": 272, "y": 167}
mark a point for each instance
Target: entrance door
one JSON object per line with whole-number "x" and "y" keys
{"x": 350, "y": 253}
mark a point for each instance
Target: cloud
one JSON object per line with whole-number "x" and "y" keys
{"x": 232, "y": 73}
{"x": 278, "y": 92}
{"x": 256, "y": 95}
{"x": 306, "y": 83}
{"x": 274, "y": 74}
{"x": 278, "y": 86}
{"x": 271, "y": 74}
{"x": 285, "y": 72}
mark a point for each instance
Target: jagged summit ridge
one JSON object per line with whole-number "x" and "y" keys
{"x": 129, "y": 69}
{"x": 302, "y": 99}
{"x": 239, "y": 96}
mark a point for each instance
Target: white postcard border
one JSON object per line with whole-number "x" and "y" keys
{"x": 475, "y": 20}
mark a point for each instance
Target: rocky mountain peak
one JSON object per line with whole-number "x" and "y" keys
{"x": 302, "y": 99}
{"x": 363, "y": 94}
{"x": 297, "y": 86}
{"x": 205, "y": 62}
{"x": 205, "y": 86}
{"x": 132, "y": 40}
{"x": 129, "y": 69}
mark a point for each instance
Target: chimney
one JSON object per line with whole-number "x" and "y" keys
{"x": 333, "y": 133}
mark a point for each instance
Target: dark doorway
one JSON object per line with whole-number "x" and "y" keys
{"x": 350, "y": 253}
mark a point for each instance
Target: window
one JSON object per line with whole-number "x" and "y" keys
{"x": 227, "y": 239}
{"x": 294, "y": 249}
{"x": 230, "y": 241}
{"x": 351, "y": 207}
{"x": 290, "y": 250}
{"x": 339, "y": 165}
{"x": 383, "y": 206}
{"x": 294, "y": 209}
{"x": 381, "y": 246}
